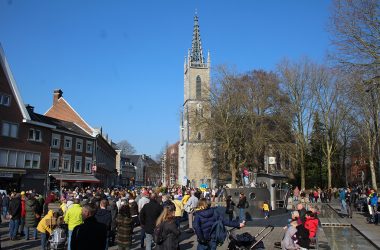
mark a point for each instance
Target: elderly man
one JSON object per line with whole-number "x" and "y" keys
{"x": 91, "y": 234}
{"x": 190, "y": 206}
{"x": 142, "y": 202}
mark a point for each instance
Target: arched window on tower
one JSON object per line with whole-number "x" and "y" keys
{"x": 198, "y": 87}
{"x": 199, "y": 136}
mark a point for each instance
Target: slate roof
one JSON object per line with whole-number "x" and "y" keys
{"x": 59, "y": 124}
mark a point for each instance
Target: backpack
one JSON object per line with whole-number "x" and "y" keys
{"x": 58, "y": 238}
{"x": 158, "y": 234}
{"x": 218, "y": 230}
{"x": 246, "y": 204}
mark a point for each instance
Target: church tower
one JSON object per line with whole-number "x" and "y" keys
{"x": 194, "y": 166}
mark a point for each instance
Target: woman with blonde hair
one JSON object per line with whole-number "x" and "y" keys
{"x": 205, "y": 217}
{"x": 166, "y": 232}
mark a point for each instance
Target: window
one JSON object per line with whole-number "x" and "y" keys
{"x": 89, "y": 147}
{"x": 3, "y": 158}
{"x": 199, "y": 136}
{"x": 54, "y": 161}
{"x": 12, "y": 158}
{"x": 79, "y": 144}
{"x": 28, "y": 160}
{"x": 88, "y": 165}
{"x": 66, "y": 163}
{"x": 5, "y": 99}
{"x": 20, "y": 159}
{"x": 198, "y": 87}
{"x": 34, "y": 135}
{"x": 55, "y": 141}
{"x": 36, "y": 161}
{"x": 9, "y": 129}
{"x": 78, "y": 164}
{"x": 67, "y": 144}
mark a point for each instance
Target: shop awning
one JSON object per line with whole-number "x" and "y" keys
{"x": 76, "y": 178}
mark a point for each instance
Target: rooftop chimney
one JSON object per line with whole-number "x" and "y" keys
{"x": 56, "y": 95}
{"x": 30, "y": 108}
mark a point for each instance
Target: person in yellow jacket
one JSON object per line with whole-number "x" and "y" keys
{"x": 178, "y": 210}
{"x": 46, "y": 225}
{"x": 185, "y": 198}
{"x": 73, "y": 218}
{"x": 63, "y": 206}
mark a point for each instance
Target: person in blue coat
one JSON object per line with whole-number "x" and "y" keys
{"x": 205, "y": 217}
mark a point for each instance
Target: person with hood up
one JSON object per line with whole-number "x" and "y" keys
{"x": 205, "y": 217}
{"x": 311, "y": 224}
{"x": 46, "y": 225}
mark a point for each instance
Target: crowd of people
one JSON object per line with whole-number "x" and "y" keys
{"x": 96, "y": 218}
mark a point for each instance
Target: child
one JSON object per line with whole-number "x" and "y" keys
{"x": 266, "y": 209}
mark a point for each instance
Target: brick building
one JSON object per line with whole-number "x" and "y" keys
{"x": 169, "y": 165}
{"x": 104, "y": 155}
{"x": 24, "y": 142}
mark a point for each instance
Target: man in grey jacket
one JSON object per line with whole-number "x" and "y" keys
{"x": 190, "y": 206}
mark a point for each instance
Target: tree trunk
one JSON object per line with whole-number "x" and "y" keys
{"x": 233, "y": 174}
{"x": 373, "y": 173}
{"x": 328, "y": 159}
{"x": 302, "y": 166}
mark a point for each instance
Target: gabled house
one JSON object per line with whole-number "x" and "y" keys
{"x": 148, "y": 172}
{"x": 105, "y": 154}
{"x": 24, "y": 142}
{"x": 72, "y": 153}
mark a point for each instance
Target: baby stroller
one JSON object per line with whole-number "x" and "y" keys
{"x": 58, "y": 239}
{"x": 372, "y": 215}
{"x": 246, "y": 241}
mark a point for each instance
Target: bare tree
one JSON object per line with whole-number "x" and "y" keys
{"x": 355, "y": 29}
{"x": 327, "y": 88}
{"x": 297, "y": 79}
{"x": 126, "y": 148}
{"x": 365, "y": 108}
{"x": 247, "y": 116}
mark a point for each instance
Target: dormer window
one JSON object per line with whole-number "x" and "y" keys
{"x": 5, "y": 99}
{"x": 34, "y": 135}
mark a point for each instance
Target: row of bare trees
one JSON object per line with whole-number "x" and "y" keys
{"x": 254, "y": 110}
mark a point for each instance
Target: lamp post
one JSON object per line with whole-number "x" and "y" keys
{"x": 61, "y": 173}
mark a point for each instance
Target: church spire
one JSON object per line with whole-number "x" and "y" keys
{"x": 196, "y": 48}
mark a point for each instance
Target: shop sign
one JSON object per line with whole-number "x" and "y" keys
{"x": 6, "y": 175}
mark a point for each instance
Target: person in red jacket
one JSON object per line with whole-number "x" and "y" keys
{"x": 23, "y": 213}
{"x": 311, "y": 223}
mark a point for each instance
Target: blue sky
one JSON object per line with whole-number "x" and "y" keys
{"x": 120, "y": 63}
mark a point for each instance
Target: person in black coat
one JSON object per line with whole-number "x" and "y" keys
{"x": 104, "y": 216}
{"x": 169, "y": 232}
{"x": 148, "y": 216}
{"x": 91, "y": 234}
{"x": 14, "y": 214}
{"x": 230, "y": 205}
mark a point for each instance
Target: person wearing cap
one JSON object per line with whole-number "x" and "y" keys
{"x": 23, "y": 212}
{"x": 14, "y": 214}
